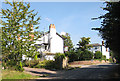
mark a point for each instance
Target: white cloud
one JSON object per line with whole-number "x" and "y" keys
{"x": 48, "y": 19}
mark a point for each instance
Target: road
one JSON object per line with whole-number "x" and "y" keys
{"x": 101, "y": 71}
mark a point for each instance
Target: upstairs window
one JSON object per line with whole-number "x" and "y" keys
{"x": 96, "y": 47}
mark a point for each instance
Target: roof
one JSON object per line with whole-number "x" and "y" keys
{"x": 95, "y": 44}
{"x": 56, "y": 33}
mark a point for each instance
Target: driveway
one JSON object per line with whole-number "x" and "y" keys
{"x": 101, "y": 71}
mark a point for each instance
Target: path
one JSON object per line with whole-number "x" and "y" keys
{"x": 102, "y": 71}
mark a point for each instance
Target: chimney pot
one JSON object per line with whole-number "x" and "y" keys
{"x": 102, "y": 43}
{"x": 52, "y": 26}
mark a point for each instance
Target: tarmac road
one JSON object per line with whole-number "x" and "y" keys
{"x": 101, "y": 71}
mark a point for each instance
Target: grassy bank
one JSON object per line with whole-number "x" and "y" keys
{"x": 9, "y": 74}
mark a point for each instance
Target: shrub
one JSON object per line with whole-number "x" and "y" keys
{"x": 98, "y": 55}
{"x": 19, "y": 67}
{"x": 48, "y": 64}
{"x": 58, "y": 60}
{"x": 72, "y": 55}
{"x": 111, "y": 60}
{"x": 87, "y": 55}
{"x": 30, "y": 63}
{"x": 12, "y": 65}
{"x": 59, "y": 55}
{"x": 103, "y": 57}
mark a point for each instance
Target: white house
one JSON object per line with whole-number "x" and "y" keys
{"x": 97, "y": 47}
{"x": 50, "y": 43}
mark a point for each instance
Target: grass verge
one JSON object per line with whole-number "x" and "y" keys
{"x": 9, "y": 74}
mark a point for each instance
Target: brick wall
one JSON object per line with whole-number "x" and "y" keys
{"x": 87, "y": 62}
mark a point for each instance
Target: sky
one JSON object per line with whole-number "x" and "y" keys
{"x": 71, "y": 17}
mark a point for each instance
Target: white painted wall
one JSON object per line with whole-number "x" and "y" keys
{"x": 93, "y": 49}
{"x": 101, "y": 49}
{"x": 106, "y": 53}
{"x": 56, "y": 44}
{"x": 50, "y": 57}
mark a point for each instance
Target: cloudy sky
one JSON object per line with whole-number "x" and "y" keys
{"x": 71, "y": 17}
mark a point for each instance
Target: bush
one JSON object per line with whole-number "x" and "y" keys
{"x": 72, "y": 55}
{"x": 103, "y": 57}
{"x": 19, "y": 67}
{"x": 58, "y": 60}
{"x": 47, "y": 64}
{"x": 98, "y": 55}
{"x": 12, "y": 65}
{"x": 87, "y": 55}
{"x": 30, "y": 63}
{"x": 59, "y": 55}
{"x": 111, "y": 60}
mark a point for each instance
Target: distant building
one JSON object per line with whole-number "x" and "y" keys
{"x": 97, "y": 47}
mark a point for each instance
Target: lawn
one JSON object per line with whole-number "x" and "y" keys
{"x": 9, "y": 74}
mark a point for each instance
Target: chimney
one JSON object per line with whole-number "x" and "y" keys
{"x": 102, "y": 43}
{"x": 52, "y": 30}
{"x": 52, "y": 26}
{"x": 106, "y": 50}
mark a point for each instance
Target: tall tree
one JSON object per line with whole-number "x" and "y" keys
{"x": 110, "y": 27}
{"x": 18, "y": 37}
{"x": 83, "y": 43}
{"x": 68, "y": 41}
{"x": 82, "y": 50}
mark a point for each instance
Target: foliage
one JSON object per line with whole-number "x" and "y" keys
{"x": 20, "y": 68}
{"x": 68, "y": 41}
{"x": 30, "y": 63}
{"x": 110, "y": 27}
{"x": 72, "y": 55}
{"x": 103, "y": 57}
{"x": 82, "y": 50}
{"x": 18, "y": 37}
{"x": 83, "y": 43}
{"x": 59, "y": 55}
{"x": 86, "y": 55}
{"x": 111, "y": 60}
{"x": 48, "y": 64}
{"x": 59, "y": 59}
{"x": 98, "y": 55}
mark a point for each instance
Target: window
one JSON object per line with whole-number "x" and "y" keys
{"x": 96, "y": 47}
{"x": 45, "y": 47}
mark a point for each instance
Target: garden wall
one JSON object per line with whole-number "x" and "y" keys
{"x": 87, "y": 62}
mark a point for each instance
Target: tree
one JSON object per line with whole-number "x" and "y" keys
{"x": 72, "y": 55}
{"x": 86, "y": 55}
{"x": 82, "y": 50}
{"x": 67, "y": 41}
{"x": 17, "y": 33}
{"x": 110, "y": 27}
{"x": 83, "y": 43}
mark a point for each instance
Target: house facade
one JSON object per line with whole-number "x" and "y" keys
{"x": 50, "y": 43}
{"x": 97, "y": 47}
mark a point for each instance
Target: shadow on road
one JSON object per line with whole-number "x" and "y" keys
{"x": 103, "y": 71}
